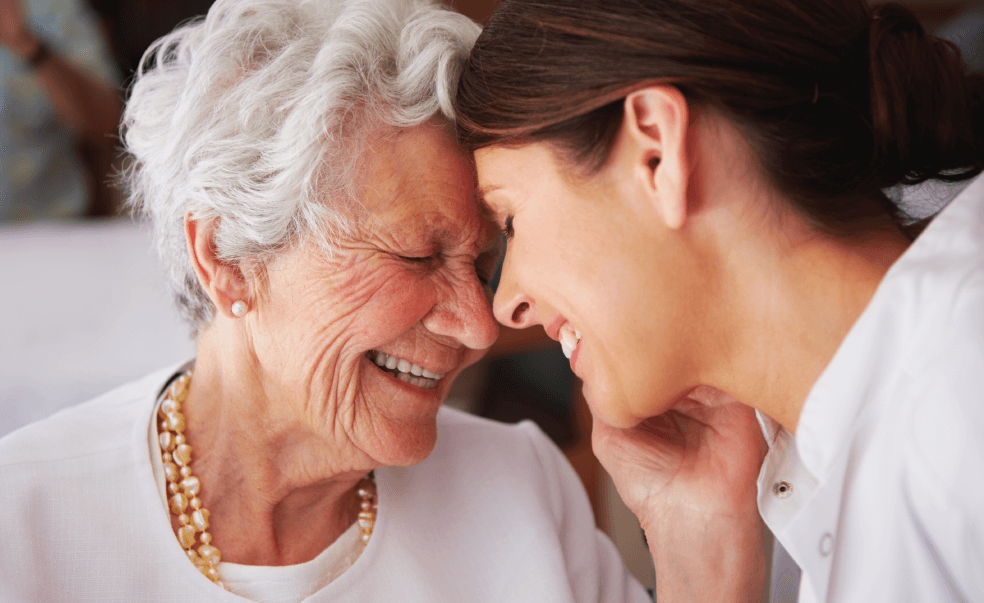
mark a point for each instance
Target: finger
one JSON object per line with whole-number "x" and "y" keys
{"x": 710, "y": 396}
{"x": 642, "y": 446}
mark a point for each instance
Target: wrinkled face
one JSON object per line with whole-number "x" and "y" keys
{"x": 409, "y": 293}
{"x": 586, "y": 261}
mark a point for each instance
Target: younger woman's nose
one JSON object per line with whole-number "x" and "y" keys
{"x": 511, "y": 306}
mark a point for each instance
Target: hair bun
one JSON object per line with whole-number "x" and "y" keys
{"x": 926, "y": 109}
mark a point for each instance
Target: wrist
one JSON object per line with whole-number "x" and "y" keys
{"x": 712, "y": 558}
{"x": 737, "y": 513}
{"x": 694, "y": 531}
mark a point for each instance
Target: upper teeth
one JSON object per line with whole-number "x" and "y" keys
{"x": 569, "y": 338}
{"x": 404, "y": 366}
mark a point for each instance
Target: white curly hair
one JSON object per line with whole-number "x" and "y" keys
{"x": 257, "y": 115}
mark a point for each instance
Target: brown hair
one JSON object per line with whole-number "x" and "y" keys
{"x": 837, "y": 100}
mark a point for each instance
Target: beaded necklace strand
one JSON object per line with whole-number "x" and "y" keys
{"x": 183, "y": 487}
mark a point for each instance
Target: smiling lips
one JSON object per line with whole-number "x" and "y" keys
{"x": 569, "y": 338}
{"x": 404, "y": 370}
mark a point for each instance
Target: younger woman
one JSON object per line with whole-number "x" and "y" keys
{"x": 699, "y": 198}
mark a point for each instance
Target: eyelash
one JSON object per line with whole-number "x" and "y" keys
{"x": 484, "y": 274}
{"x": 507, "y": 229}
{"x": 419, "y": 259}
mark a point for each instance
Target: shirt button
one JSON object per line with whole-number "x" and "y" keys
{"x": 827, "y": 544}
{"x": 782, "y": 489}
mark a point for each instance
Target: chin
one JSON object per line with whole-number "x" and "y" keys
{"x": 607, "y": 407}
{"x": 408, "y": 445}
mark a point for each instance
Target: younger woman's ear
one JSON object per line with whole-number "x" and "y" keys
{"x": 656, "y": 121}
{"x": 223, "y": 282}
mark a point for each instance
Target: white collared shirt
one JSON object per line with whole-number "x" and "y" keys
{"x": 880, "y": 496}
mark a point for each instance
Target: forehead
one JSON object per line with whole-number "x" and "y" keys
{"x": 419, "y": 178}
{"x": 515, "y": 170}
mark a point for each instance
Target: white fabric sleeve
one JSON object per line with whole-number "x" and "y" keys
{"x": 594, "y": 566}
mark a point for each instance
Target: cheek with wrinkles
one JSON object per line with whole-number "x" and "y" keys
{"x": 318, "y": 328}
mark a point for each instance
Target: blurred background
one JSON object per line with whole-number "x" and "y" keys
{"x": 81, "y": 282}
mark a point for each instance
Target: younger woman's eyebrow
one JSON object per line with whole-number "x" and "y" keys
{"x": 487, "y": 208}
{"x": 484, "y": 190}
{"x": 484, "y": 208}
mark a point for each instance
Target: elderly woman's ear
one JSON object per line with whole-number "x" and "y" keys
{"x": 224, "y": 283}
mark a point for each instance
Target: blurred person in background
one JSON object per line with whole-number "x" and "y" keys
{"x": 697, "y": 200}
{"x": 317, "y": 220}
{"x": 59, "y": 112}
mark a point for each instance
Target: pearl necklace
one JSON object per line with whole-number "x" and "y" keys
{"x": 183, "y": 487}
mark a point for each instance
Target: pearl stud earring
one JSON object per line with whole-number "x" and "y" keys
{"x": 239, "y": 309}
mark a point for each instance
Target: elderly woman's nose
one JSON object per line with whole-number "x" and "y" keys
{"x": 466, "y": 315}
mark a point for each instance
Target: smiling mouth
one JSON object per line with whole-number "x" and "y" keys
{"x": 569, "y": 339}
{"x": 404, "y": 370}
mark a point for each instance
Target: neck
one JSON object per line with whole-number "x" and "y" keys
{"x": 279, "y": 492}
{"x": 793, "y": 299}
{"x": 782, "y": 296}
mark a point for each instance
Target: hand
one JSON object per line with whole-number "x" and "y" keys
{"x": 14, "y": 33}
{"x": 690, "y": 477}
{"x": 703, "y": 454}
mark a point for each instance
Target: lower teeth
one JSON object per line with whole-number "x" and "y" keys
{"x": 418, "y": 381}
{"x": 408, "y": 377}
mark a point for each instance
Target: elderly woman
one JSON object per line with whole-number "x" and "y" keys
{"x": 320, "y": 233}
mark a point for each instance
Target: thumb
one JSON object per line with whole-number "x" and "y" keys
{"x": 710, "y": 396}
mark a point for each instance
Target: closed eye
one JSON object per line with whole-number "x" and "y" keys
{"x": 424, "y": 260}
{"x": 507, "y": 228}
{"x": 485, "y": 266}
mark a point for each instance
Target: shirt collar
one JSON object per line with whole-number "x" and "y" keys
{"x": 869, "y": 357}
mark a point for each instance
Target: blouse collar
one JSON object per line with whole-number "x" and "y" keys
{"x": 868, "y": 359}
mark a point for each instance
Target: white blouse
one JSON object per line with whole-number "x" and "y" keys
{"x": 880, "y": 496}
{"x": 494, "y": 514}
{"x": 292, "y": 583}
{"x": 270, "y": 584}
